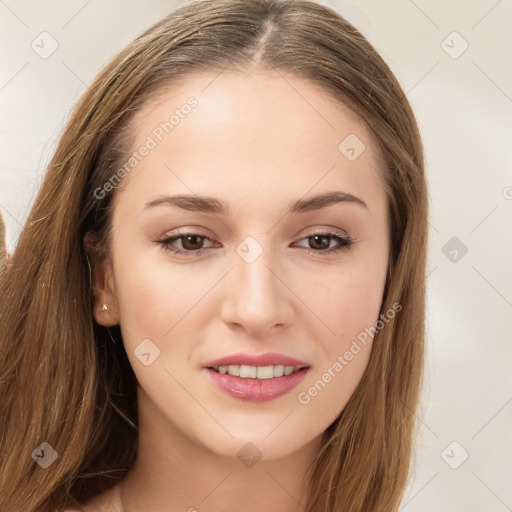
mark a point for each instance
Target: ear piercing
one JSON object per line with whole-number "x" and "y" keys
{"x": 104, "y": 307}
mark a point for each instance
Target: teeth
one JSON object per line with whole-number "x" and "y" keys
{"x": 265, "y": 372}
{"x": 248, "y": 372}
{"x": 234, "y": 369}
{"x": 279, "y": 370}
{"x": 256, "y": 372}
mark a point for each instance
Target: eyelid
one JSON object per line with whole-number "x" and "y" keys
{"x": 325, "y": 230}
{"x": 318, "y": 231}
{"x": 166, "y": 240}
{"x": 345, "y": 242}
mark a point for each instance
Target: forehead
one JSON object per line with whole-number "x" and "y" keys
{"x": 265, "y": 135}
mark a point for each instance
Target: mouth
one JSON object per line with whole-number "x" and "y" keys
{"x": 262, "y": 377}
{"x": 256, "y": 372}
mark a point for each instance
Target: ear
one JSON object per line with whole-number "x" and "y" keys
{"x": 102, "y": 280}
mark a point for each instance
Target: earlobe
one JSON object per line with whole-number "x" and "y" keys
{"x": 105, "y": 309}
{"x": 102, "y": 283}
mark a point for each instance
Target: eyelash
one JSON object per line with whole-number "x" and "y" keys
{"x": 345, "y": 242}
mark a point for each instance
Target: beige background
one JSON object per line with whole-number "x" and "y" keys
{"x": 464, "y": 107}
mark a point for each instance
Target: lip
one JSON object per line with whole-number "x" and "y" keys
{"x": 266, "y": 359}
{"x": 256, "y": 390}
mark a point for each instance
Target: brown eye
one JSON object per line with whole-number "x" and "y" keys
{"x": 320, "y": 242}
{"x": 192, "y": 242}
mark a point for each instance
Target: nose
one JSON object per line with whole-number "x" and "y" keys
{"x": 258, "y": 298}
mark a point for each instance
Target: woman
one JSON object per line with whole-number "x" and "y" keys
{"x": 218, "y": 299}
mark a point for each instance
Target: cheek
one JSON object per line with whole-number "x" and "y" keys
{"x": 327, "y": 392}
{"x": 347, "y": 307}
{"x": 344, "y": 301}
{"x": 154, "y": 296}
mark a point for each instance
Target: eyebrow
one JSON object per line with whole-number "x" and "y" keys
{"x": 208, "y": 204}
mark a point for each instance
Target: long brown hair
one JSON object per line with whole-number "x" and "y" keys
{"x": 66, "y": 381}
{"x": 3, "y": 245}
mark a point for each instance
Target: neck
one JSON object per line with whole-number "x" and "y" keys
{"x": 172, "y": 473}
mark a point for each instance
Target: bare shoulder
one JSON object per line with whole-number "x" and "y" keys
{"x": 69, "y": 509}
{"x": 108, "y": 501}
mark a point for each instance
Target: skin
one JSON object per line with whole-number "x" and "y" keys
{"x": 257, "y": 141}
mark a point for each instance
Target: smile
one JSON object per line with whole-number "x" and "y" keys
{"x": 256, "y": 372}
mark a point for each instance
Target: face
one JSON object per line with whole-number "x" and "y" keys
{"x": 248, "y": 267}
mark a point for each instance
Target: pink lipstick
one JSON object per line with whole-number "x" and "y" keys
{"x": 256, "y": 378}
